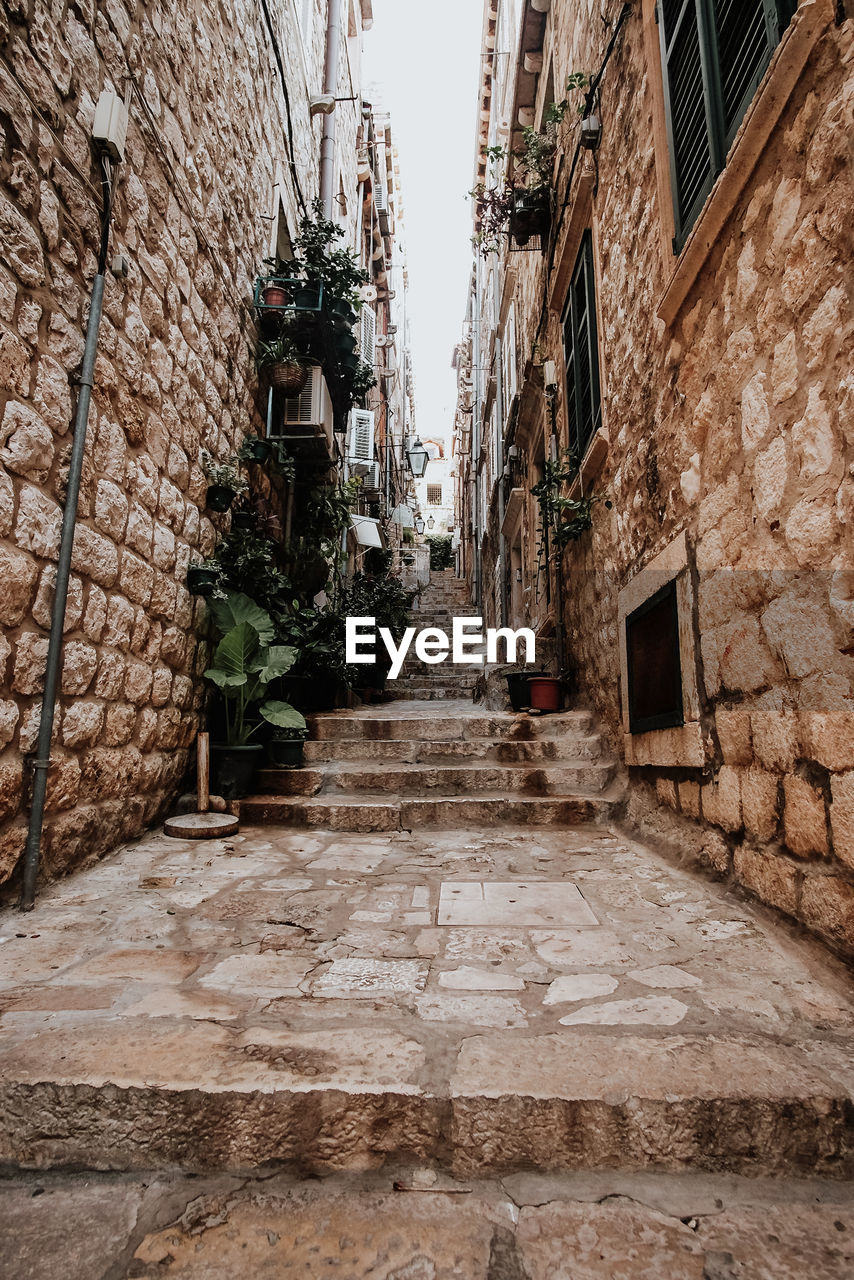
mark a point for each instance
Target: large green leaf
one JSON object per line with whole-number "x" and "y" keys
{"x": 275, "y": 662}
{"x": 237, "y": 608}
{"x": 282, "y": 715}
{"x": 224, "y": 681}
{"x": 237, "y": 651}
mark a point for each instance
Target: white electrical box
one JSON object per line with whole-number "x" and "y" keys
{"x": 110, "y": 129}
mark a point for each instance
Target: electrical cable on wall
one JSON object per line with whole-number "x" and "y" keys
{"x": 283, "y": 79}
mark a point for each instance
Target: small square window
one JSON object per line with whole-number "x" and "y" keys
{"x": 434, "y": 495}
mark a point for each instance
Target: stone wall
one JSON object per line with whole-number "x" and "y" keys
{"x": 174, "y": 374}
{"x": 728, "y": 418}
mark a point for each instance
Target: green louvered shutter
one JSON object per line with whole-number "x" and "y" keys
{"x": 714, "y": 54}
{"x": 581, "y": 352}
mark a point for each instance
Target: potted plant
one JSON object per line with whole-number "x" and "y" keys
{"x": 544, "y": 692}
{"x": 284, "y": 364}
{"x": 203, "y": 577}
{"x": 224, "y": 481}
{"x": 276, "y": 293}
{"x": 387, "y": 601}
{"x": 243, "y": 519}
{"x": 255, "y": 449}
{"x": 245, "y": 663}
{"x": 286, "y": 748}
{"x": 531, "y": 213}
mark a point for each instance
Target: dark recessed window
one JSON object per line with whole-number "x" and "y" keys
{"x": 581, "y": 353}
{"x": 654, "y": 665}
{"x": 713, "y": 53}
{"x": 434, "y": 495}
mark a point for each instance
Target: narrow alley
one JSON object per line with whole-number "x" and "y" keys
{"x": 438, "y": 1016}
{"x": 426, "y": 640}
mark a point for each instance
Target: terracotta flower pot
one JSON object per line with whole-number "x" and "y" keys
{"x": 275, "y": 295}
{"x": 544, "y": 692}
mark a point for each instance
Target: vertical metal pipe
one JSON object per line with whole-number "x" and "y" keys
{"x": 330, "y": 85}
{"x": 57, "y": 625}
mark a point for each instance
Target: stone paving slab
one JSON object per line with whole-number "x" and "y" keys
{"x": 412, "y": 1224}
{"x": 296, "y": 996}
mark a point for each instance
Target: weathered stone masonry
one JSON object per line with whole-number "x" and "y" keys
{"x": 727, "y": 429}
{"x": 208, "y": 129}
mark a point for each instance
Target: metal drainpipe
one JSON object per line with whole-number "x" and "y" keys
{"x": 499, "y": 462}
{"x": 41, "y": 764}
{"x": 330, "y": 85}
{"x": 475, "y": 439}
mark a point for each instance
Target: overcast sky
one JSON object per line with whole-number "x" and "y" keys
{"x": 422, "y": 64}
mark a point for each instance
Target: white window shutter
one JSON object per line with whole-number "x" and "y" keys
{"x": 361, "y": 436}
{"x": 368, "y": 334}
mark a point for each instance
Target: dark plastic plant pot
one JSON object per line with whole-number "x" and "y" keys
{"x": 345, "y": 344}
{"x": 233, "y": 770}
{"x": 219, "y": 497}
{"x": 342, "y": 315}
{"x": 201, "y": 581}
{"x": 244, "y": 520}
{"x": 256, "y": 449}
{"x": 545, "y": 692}
{"x": 517, "y": 688}
{"x": 287, "y": 752}
{"x": 307, "y": 296}
{"x": 350, "y": 364}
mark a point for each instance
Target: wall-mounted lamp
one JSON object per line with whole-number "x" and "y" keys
{"x": 419, "y": 524}
{"x": 550, "y": 375}
{"x": 418, "y": 457}
{"x": 431, "y": 523}
{"x": 518, "y": 575}
{"x": 591, "y": 132}
{"x": 322, "y": 104}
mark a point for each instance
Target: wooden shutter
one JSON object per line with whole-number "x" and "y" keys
{"x": 684, "y": 60}
{"x": 581, "y": 348}
{"x": 368, "y": 334}
{"x": 361, "y": 436}
{"x": 714, "y": 54}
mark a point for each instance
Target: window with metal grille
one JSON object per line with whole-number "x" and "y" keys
{"x": 581, "y": 353}
{"x": 714, "y": 54}
{"x": 434, "y": 495}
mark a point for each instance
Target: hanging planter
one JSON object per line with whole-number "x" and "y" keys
{"x": 254, "y": 449}
{"x": 202, "y": 579}
{"x": 275, "y": 295}
{"x": 531, "y": 214}
{"x": 342, "y": 315}
{"x": 243, "y": 520}
{"x": 284, "y": 364}
{"x": 219, "y": 497}
{"x": 345, "y": 344}
{"x": 307, "y": 295}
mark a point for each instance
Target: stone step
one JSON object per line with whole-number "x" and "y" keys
{"x": 479, "y": 779}
{"x": 378, "y": 813}
{"x": 327, "y": 726}
{"x": 574, "y": 747}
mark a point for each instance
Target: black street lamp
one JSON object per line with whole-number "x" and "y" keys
{"x": 418, "y": 458}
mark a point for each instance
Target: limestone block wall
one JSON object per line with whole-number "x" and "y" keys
{"x": 730, "y": 421}
{"x": 208, "y": 130}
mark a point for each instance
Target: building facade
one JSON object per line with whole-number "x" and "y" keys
{"x": 658, "y": 340}
{"x": 240, "y": 117}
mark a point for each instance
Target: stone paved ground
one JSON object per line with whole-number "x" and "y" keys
{"x": 457, "y": 1004}
{"x": 410, "y": 1227}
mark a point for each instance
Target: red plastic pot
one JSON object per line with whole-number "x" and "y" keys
{"x": 544, "y": 692}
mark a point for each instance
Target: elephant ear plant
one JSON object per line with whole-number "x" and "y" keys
{"x": 245, "y": 663}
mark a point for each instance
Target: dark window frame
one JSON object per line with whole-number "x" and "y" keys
{"x": 689, "y": 32}
{"x": 667, "y": 720}
{"x": 581, "y": 353}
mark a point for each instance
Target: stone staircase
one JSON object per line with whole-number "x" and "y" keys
{"x": 448, "y": 766}
{"x": 445, "y": 598}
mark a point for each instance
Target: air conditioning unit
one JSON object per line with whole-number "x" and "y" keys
{"x": 370, "y": 475}
{"x": 310, "y": 412}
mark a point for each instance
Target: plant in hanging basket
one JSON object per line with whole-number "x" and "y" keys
{"x": 224, "y": 481}
{"x": 276, "y": 293}
{"x": 284, "y": 364}
{"x": 203, "y": 577}
{"x": 531, "y": 213}
{"x": 255, "y": 449}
